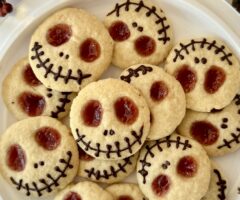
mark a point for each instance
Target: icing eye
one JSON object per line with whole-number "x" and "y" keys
{"x": 119, "y": 31}
{"x": 48, "y": 138}
{"x": 158, "y": 91}
{"x": 126, "y": 110}
{"x": 161, "y": 185}
{"x": 124, "y": 197}
{"x": 145, "y": 45}
{"x": 214, "y": 79}
{"x": 204, "y": 132}
{"x": 90, "y": 50}
{"x": 59, "y": 34}
{"x": 30, "y": 77}
{"x": 16, "y": 158}
{"x": 31, "y": 104}
{"x": 83, "y": 156}
{"x": 72, "y": 196}
{"x": 92, "y": 113}
{"x": 187, "y": 77}
{"x": 196, "y": 60}
{"x": 187, "y": 166}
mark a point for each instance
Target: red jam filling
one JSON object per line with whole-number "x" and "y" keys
{"x": 119, "y": 31}
{"x": 72, "y": 196}
{"x": 90, "y": 50}
{"x": 187, "y": 166}
{"x": 83, "y": 156}
{"x": 161, "y": 185}
{"x": 158, "y": 91}
{"x": 30, "y": 77}
{"x": 124, "y": 197}
{"x": 145, "y": 45}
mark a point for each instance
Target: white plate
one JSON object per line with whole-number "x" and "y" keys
{"x": 189, "y": 19}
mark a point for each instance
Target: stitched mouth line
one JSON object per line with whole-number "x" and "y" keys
{"x": 167, "y": 140}
{"x": 109, "y": 149}
{"x": 48, "y": 67}
{"x": 222, "y": 184}
{"x": 235, "y": 139}
{"x": 150, "y": 11}
{"x": 49, "y": 182}
{"x": 202, "y": 43}
{"x": 104, "y": 174}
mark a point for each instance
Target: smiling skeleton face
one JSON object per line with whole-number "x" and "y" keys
{"x": 66, "y": 52}
{"x": 25, "y": 162}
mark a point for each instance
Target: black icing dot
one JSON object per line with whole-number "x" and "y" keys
{"x": 224, "y": 126}
{"x": 140, "y": 29}
{"x": 134, "y": 24}
{"x": 204, "y": 60}
{"x": 61, "y": 54}
{"x": 35, "y": 165}
{"x": 196, "y": 60}
{"x": 49, "y": 95}
{"x": 41, "y": 163}
{"x": 225, "y": 119}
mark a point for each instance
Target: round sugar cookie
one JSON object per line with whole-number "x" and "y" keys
{"x": 84, "y": 191}
{"x": 38, "y": 156}
{"x": 208, "y": 71}
{"x": 218, "y": 131}
{"x": 141, "y": 33}
{"x": 70, "y": 49}
{"x": 25, "y": 96}
{"x": 218, "y": 186}
{"x": 110, "y": 119}
{"x": 173, "y": 168}
{"x": 105, "y": 171}
{"x": 125, "y": 191}
{"x": 164, "y": 95}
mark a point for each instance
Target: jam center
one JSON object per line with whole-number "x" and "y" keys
{"x": 30, "y": 77}
{"x": 161, "y": 185}
{"x": 145, "y": 45}
{"x": 48, "y": 138}
{"x": 119, "y": 31}
{"x": 72, "y": 196}
{"x": 187, "y": 77}
{"x": 84, "y": 156}
{"x": 126, "y": 110}
{"x": 90, "y": 50}
{"x": 159, "y": 91}
{"x": 204, "y": 132}
{"x": 124, "y": 197}
{"x": 187, "y": 166}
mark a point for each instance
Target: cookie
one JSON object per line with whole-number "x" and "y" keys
{"x": 218, "y": 186}
{"x": 139, "y": 27}
{"x": 66, "y": 55}
{"x": 218, "y": 131}
{"x": 38, "y": 156}
{"x": 110, "y": 119}
{"x": 208, "y": 71}
{"x": 25, "y": 96}
{"x": 84, "y": 191}
{"x": 164, "y": 95}
{"x": 174, "y": 167}
{"x": 125, "y": 191}
{"x": 105, "y": 171}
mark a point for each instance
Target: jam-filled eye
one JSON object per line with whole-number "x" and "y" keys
{"x": 92, "y": 113}
{"x": 29, "y": 77}
{"x": 125, "y": 197}
{"x": 187, "y": 167}
{"x": 158, "y": 91}
{"x": 48, "y": 138}
{"x": 59, "y": 34}
{"x": 145, "y": 45}
{"x": 83, "y": 156}
{"x": 72, "y": 196}
{"x": 161, "y": 185}
{"x": 90, "y": 50}
{"x": 126, "y": 110}
{"x": 119, "y": 31}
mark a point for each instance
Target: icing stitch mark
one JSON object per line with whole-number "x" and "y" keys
{"x": 113, "y": 172}
{"x": 109, "y": 150}
{"x": 235, "y": 139}
{"x": 47, "y": 183}
{"x": 169, "y": 142}
{"x": 150, "y": 11}
{"x": 222, "y": 185}
{"x": 61, "y": 108}
{"x": 49, "y": 69}
{"x": 136, "y": 73}
{"x": 209, "y": 45}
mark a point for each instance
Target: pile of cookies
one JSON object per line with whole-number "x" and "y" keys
{"x": 164, "y": 123}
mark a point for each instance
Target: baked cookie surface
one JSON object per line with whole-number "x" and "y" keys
{"x": 173, "y": 168}
{"x": 25, "y": 149}
{"x": 105, "y": 171}
{"x": 84, "y": 191}
{"x": 218, "y": 131}
{"x": 164, "y": 95}
{"x": 25, "y": 96}
{"x": 66, "y": 55}
{"x": 110, "y": 119}
{"x": 208, "y": 71}
{"x": 125, "y": 191}
{"x": 139, "y": 27}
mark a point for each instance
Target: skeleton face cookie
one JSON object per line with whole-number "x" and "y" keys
{"x": 84, "y": 191}
{"x": 139, "y": 27}
{"x": 218, "y": 186}
{"x": 218, "y": 131}
{"x": 208, "y": 71}
{"x": 109, "y": 123}
{"x": 174, "y": 167}
{"x": 164, "y": 95}
{"x": 67, "y": 52}
{"x": 125, "y": 191}
{"x": 105, "y": 171}
{"x": 25, "y": 149}
{"x": 25, "y": 96}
